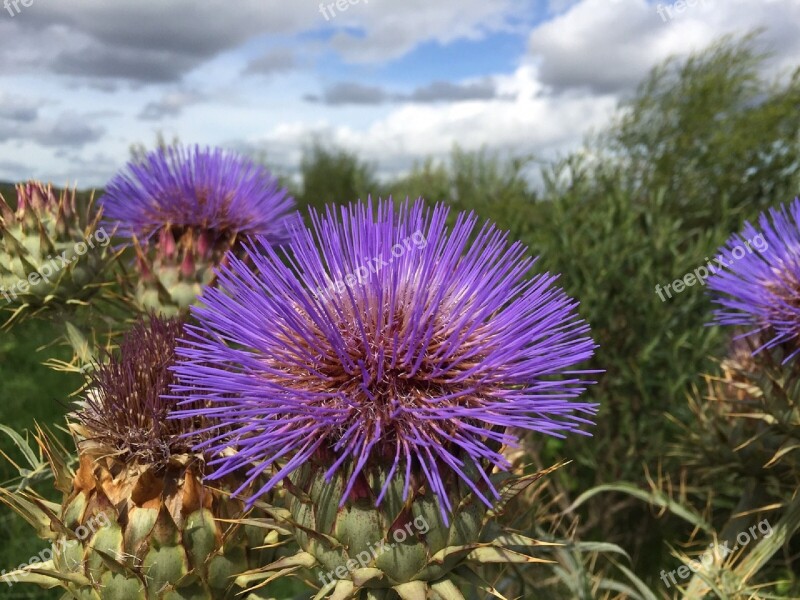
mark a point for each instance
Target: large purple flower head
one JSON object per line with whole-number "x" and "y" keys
{"x": 383, "y": 337}
{"x": 760, "y": 290}
{"x": 192, "y": 188}
{"x": 183, "y": 210}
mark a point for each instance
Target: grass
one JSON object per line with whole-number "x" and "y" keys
{"x": 29, "y": 393}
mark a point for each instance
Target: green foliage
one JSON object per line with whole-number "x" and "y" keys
{"x": 493, "y": 187}
{"x": 29, "y": 392}
{"x": 712, "y": 132}
{"x": 332, "y": 175}
{"x": 613, "y": 248}
{"x": 702, "y": 146}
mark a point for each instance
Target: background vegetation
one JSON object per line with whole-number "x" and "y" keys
{"x": 703, "y": 145}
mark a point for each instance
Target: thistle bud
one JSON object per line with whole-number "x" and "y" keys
{"x": 48, "y": 254}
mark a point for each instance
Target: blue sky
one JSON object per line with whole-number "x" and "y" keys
{"x": 393, "y": 81}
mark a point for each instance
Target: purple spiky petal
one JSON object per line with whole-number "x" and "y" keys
{"x": 760, "y": 289}
{"x": 192, "y": 188}
{"x": 381, "y": 336}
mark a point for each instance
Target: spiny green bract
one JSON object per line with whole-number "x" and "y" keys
{"x": 52, "y": 252}
{"x": 400, "y": 549}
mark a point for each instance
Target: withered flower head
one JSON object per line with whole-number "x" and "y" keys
{"x": 124, "y": 412}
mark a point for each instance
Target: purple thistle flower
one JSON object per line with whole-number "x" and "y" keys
{"x": 206, "y": 190}
{"x": 381, "y": 337}
{"x": 761, "y": 288}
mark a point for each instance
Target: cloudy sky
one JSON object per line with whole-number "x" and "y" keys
{"x": 394, "y": 81}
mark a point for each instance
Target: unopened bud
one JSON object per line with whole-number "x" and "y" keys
{"x": 188, "y": 265}
{"x": 166, "y": 243}
{"x": 204, "y": 245}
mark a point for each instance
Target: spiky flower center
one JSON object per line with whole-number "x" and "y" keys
{"x": 782, "y": 306}
{"x": 209, "y": 212}
{"x": 385, "y": 386}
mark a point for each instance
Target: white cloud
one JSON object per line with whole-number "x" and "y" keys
{"x": 65, "y": 129}
{"x": 529, "y": 123}
{"x": 170, "y": 105}
{"x": 609, "y": 46}
{"x": 156, "y": 41}
{"x": 153, "y": 58}
{"x": 382, "y": 30}
{"x": 581, "y": 62}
